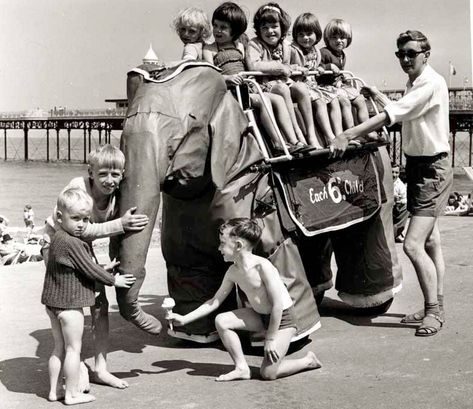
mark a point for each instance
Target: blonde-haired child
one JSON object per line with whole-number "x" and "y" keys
{"x": 306, "y": 33}
{"x": 68, "y": 287}
{"x": 105, "y": 172}
{"x": 337, "y": 37}
{"x": 193, "y": 28}
{"x": 270, "y": 53}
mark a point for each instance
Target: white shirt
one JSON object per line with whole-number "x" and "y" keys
{"x": 423, "y": 111}
{"x": 400, "y": 191}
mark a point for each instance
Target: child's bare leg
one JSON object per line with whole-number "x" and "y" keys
{"x": 347, "y": 114}
{"x": 362, "y": 113}
{"x": 285, "y": 367}
{"x": 283, "y": 90}
{"x": 335, "y": 116}
{"x": 100, "y": 325}
{"x": 227, "y": 323}
{"x": 283, "y": 118}
{"x": 72, "y": 324}
{"x": 265, "y": 117}
{"x": 323, "y": 120}
{"x": 300, "y": 94}
{"x": 55, "y": 360}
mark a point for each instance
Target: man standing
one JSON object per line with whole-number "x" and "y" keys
{"x": 423, "y": 111}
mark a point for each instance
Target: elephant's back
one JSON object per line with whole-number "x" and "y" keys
{"x": 196, "y": 90}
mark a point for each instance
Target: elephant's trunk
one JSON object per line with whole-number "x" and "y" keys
{"x": 140, "y": 188}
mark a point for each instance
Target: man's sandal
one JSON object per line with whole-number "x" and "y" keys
{"x": 431, "y": 325}
{"x": 417, "y": 317}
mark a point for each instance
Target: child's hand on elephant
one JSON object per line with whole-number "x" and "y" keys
{"x": 134, "y": 222}
{"x": 124, "y": 281}
{"x": 110, "y": 266}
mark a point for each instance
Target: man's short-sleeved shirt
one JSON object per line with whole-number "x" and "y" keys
{"x": 424, "y": 113}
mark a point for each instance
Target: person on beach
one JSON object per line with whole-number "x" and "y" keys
{"x": 69, "y": 287}
{"x": 338, "y": 36}
{"x": 306, "y": 33}
{"x": 271, "y": 54}
{"x": 269, "y": 307}
{"x": 423, "y": 111}
{"x": 400, "y": 213}
{"x": 228, "y": 53}
{"x": 105, "y": 172}
{"x": 28, "y": 218}
{"x": 193, "y": 28}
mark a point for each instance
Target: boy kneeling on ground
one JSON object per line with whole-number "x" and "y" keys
{"x": 270, "y": 306}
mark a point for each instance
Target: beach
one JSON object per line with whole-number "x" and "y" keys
{"x": 368, "y": 362}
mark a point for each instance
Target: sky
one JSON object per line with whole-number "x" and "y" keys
{"x": 76, "y": 53}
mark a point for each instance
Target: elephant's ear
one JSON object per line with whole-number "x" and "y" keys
{"x": 227, "y": 126}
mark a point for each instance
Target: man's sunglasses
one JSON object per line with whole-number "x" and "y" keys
{"x": 408, "y": 53}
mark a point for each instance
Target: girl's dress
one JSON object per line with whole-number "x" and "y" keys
{"x": 327, "y": 81}
{"x": 268, "y": 61}
{"x": 310, "y": 60}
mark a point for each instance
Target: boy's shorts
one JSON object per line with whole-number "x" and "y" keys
{"x": 288, "y": 319}
{"x": 429, "y": 180}
{"x": 56, "y": 311}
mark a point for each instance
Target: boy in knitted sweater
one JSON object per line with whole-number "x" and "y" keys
{"x": 105, "y": 172}
{"x": 69, "y": 286}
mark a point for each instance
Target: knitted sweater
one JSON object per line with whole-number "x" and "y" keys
{"x": 71, "y": 273}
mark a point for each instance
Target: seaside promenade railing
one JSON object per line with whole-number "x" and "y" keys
{"x": 60, "y": 134}
{"x": 70, "y": 134}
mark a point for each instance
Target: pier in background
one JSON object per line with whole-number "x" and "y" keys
{"x": 70, "y": 134}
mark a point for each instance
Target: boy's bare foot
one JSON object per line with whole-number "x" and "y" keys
{"x": 84, "y": 383}
{"x": 79, "y": 398}
{"x": 235, "y": 375}
{"x": 53, "y": 397}
{"x": 314, "y": 362}
{"x": 106, "y": 378}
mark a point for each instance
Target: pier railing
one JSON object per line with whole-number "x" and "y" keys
{"x": 70, "y": 134}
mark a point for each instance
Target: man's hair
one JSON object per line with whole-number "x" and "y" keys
{"x": 306, "y": 23}
{"x": 413, "y": 35}
{"x": 107, "y": 156}
{"x": 67, "y": 198}
{"x": 232, "y": 14}
{"x": 337, "y": 27}
{"x": 271, "y": 13}
{"x": 193, "y": 17}
{"x": 244, "y": 228}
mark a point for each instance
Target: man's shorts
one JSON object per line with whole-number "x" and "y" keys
{"x": 288, "y": 319}
{"x": 429, "y": 180}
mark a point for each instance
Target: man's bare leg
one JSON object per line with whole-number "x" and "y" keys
{"x": 227, "y": 323}
{"x": 418, "y": 232}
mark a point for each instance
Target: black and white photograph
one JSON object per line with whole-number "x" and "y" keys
{"x": 233, "y": 204}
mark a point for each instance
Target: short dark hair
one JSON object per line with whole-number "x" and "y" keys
{"x": 271, "y": 13}
{"x": 233, "y": 14}
{"x": 413, "y": 35}
{"x": 307, "y": 22}
{"x": 244, "y": 228}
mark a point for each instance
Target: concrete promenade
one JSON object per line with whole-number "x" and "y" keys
{"x": 368, "y": 363}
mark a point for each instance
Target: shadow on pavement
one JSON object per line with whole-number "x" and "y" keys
{"x": 356, "y": 316}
